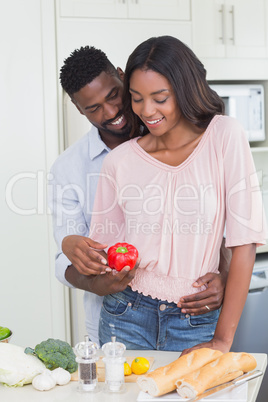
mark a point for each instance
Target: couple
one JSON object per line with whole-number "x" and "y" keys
{"x": 182, "y": 149}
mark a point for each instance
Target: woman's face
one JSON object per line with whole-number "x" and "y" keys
{"x": 154, "y": 101}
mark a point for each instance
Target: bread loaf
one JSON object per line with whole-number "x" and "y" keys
{"x": 163, "y": 379}
{"x": 225, "y": 368}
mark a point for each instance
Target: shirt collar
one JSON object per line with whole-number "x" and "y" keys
{"x": 95, "y": 144}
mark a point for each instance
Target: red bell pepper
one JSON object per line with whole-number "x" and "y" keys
{"x": 121, "y": 255}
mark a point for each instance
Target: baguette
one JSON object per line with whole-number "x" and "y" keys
{"x": 163, "y": 380}
{"x": 226, "y": 368}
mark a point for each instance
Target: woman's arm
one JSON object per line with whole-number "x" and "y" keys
{"x": 236, "y": 291}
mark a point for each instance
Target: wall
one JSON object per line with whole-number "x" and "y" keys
{"x": 32, "y": 301}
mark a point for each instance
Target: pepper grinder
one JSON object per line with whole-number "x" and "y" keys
{"x": 87, "y": 368}
{"x": 114, "y": 365}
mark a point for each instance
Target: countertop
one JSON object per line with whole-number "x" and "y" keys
{"x": 70, "y": 393}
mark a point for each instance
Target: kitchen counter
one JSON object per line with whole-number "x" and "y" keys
{"x": 70, "y": 393}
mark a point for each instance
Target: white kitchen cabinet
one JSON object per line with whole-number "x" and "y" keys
{"x": 119, "y": 38}
{"x": 93, "y": 8}
{"x": 230, "y": 28}
{"x": 134, "y": 9}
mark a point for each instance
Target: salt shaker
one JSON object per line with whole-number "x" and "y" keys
{"x": 114, "y": 365}
{"x": 87, "y": 368}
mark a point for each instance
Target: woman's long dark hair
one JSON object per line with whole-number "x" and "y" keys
{"x": 171, "y": 58}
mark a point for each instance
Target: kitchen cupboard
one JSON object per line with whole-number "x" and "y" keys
{"x": 117, "y": 37}
{"x": 230, "y": 28}
{"x": 135, "y": 9}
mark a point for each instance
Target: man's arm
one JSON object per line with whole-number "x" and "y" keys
{"x": 212, "y": 296}
{"x": 108, "y": 283}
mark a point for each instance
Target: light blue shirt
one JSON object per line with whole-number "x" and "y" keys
{"x": 72, "y": 188}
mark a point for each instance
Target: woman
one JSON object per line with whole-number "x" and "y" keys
{"x": 170, "y": 193}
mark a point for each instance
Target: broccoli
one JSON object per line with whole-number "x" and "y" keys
{"x": 55, "y": 353}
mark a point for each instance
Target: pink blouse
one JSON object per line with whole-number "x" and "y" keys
{"x": 175, "y": 216}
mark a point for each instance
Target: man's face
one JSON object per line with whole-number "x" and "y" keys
{"x": 101, "y": 102}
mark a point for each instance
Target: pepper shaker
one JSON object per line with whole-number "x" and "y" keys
{"x": 114, "y": 365}
{"x": 87, "y": 368}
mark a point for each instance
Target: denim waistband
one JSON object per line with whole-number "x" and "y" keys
{"x": 136, "y": 298}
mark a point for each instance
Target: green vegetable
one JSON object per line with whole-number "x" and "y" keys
{"x": 4, "y": 333}
{"x": 55, "y": 353}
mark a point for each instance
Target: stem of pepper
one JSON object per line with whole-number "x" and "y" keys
{"x": 121, "y": 250}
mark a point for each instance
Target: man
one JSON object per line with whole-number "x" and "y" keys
{"x": 95, "y": 87}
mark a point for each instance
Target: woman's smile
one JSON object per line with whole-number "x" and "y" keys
{"x": 152, "y": 123}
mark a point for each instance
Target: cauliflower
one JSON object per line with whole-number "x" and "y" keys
{"x": 55, "y": 353}
{"x": 17, "y": 368}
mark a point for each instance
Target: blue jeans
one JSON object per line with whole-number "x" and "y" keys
{"x": 141, "y": 322}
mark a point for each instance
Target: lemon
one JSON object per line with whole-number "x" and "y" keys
{"x": 140, "y": 365}
{"x": 127, "y": 369}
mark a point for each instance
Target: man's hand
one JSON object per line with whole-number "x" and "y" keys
{"x": 85, "y": 254}
{"x": 111, "y": 282}
{"x": 211, "y": 297}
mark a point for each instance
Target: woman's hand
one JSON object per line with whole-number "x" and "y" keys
{"x": 215, "y": 344}
{"x": 209, "y": 299}
{"x": 86, "y": 255}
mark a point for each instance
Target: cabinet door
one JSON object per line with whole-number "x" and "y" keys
{"x": 160, "y": 9}
{"x": 208, "y": 28}
{"x": 229, "y": 28}
{"x": 137, "y": 9}
{"x": 93, "y": 8}
{"x": 124, "y": 36}
{"x": 245, "y": 28}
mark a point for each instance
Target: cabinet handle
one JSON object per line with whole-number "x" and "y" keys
{"x": 232, "y": 38}
{"x": 221, "y": 10}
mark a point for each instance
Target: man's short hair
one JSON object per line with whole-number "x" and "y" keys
{"x": 83, "y": 66}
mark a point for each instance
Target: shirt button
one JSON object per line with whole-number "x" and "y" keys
{"x": 129, "y": 304}
{"x": 187, "y": 315}
{"x": 162, "y": 307}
